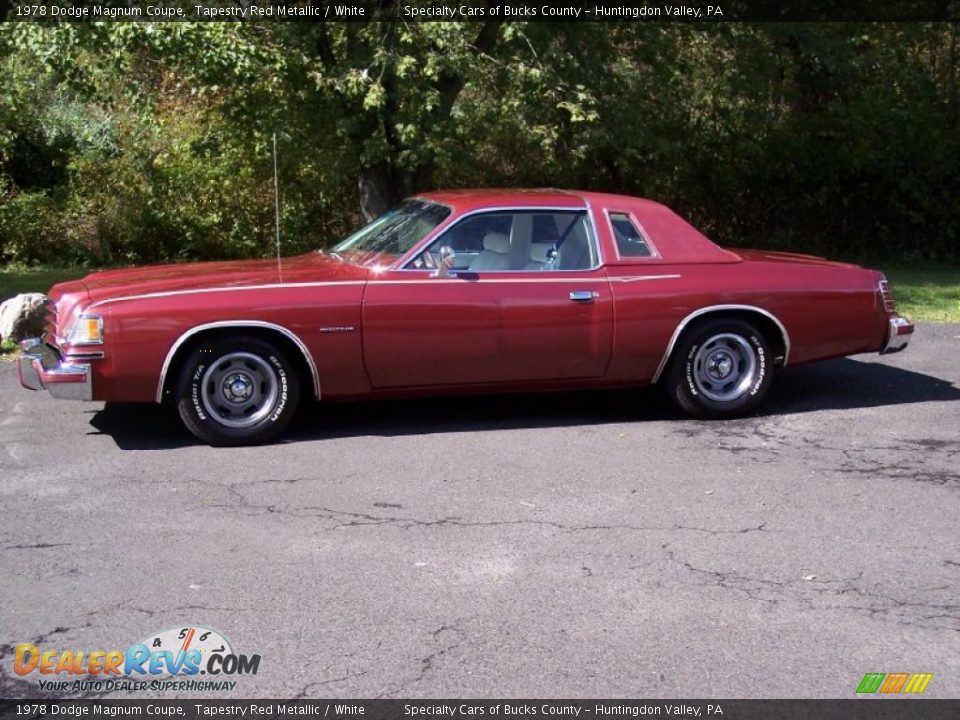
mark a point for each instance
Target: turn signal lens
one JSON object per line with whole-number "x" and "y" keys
{"x": 87, "y": 330}
{"x": 886, "y": 297}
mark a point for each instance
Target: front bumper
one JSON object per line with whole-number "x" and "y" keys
{"x": 898, "y": 335}
{"x": 41, "y": 367}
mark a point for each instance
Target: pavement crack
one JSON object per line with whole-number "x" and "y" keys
{"x": 305, "y": 690}
{"x": 342, "y": 519}
{"x": 848, "y": 591}
{"x": 762, "y": 527}
{"x": 427, "y": 663}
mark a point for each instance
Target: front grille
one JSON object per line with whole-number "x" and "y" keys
{"x": 51, "y": 322}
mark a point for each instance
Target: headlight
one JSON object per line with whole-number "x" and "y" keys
{"x": 86, "y": 330}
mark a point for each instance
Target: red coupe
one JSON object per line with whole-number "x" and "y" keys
{"x": 454, "y": 292}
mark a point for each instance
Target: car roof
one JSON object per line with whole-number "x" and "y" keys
{"x": 675, "y": 238}
{"x": 471, "y": 199}
{"x": 476, "y": 198}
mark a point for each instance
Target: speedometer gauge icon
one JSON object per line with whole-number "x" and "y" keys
{"x": 181, "y": 640}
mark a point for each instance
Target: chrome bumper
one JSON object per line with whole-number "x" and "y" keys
{"x": 898, "y": 335}
{"x": 41, "y": 367}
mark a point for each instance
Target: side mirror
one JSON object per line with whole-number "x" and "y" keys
{"x": 447, "y": 259}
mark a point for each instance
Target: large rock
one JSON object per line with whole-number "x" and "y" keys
{"x": 23, "y": 316}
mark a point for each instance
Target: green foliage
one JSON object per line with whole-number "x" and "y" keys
{"x": 135, "y": 142}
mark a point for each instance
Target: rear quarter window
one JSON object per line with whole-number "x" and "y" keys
{"x": 629, "y": 239}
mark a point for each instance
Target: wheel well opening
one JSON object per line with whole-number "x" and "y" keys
{"x": 281, "y": 341}
{"x": 771, "y": 331}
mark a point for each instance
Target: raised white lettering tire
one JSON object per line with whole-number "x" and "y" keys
{"x": 237, "y": 391}
{"x": 720, "y": 369}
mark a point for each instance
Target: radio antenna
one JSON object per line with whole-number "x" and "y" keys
{"x": 276, "y": 204}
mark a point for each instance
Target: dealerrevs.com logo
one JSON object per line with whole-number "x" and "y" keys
{"x": 169, "y": 660}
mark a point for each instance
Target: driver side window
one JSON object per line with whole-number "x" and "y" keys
{"x": 522, "y": 240}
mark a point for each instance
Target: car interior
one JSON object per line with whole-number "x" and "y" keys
{"x": 520, "y": 241}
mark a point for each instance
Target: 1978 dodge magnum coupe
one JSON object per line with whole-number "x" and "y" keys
{"x": 456, "y": 292}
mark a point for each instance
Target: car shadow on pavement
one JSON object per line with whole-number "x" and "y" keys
{"x": 847, "y": 384}
{"x": 832, "y": 385}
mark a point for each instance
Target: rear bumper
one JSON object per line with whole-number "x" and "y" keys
{"x": 898, "y": 335}
{"x": 41, "y": 367}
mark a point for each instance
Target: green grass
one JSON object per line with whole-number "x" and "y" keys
{"x": 926, "y": 293}
{"x": 8, "y": 350}
{"x": 14, "y": 282}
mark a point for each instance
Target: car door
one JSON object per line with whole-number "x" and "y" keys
{"x": 527, "y": 301}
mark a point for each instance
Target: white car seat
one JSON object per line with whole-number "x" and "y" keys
{"x": 495, "y": 254}
{"x": 540, "y": 256}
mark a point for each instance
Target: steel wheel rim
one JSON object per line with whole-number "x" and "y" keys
{"x": 239, "y": 390}
{"x": 725, "y": 367}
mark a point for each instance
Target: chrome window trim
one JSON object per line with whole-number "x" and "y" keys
{"x": 719, "y": 308}
{"x": 238, "y": 323}
{"x": 538, "y": 279}
{"x": 641, "y": 230}
{"x": 453, "y": 221}
{"x": 596, "y": 234}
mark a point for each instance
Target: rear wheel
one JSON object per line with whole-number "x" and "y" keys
{"x": 720, "y": 369}
{"x": 237, "y": 391}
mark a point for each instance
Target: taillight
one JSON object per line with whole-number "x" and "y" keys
{"x": 886, "y": 297}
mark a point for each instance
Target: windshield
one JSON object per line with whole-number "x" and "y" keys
{"x": 394, "y": 232}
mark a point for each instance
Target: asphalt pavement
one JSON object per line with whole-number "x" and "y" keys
{"x": 574, "y": 545}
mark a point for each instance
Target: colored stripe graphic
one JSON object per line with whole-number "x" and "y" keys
{"x": 918, "y": 682}
{"x": 894, "y": 682}
{"x": 870, "y": 683}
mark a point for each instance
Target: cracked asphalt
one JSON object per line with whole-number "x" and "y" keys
{"x": 574, "y": 545}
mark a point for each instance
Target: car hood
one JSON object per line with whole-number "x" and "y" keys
{"x": 312, "y": 267}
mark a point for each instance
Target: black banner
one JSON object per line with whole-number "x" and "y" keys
{"x": 872, "y": 709}
{"x": 477, "y": 10}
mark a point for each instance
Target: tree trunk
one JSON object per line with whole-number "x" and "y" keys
{"x": 381, "y": 186}
{"x": 952, "y": 76}
{"x": 381, "y": 189}
{"x": 376, "y": 191}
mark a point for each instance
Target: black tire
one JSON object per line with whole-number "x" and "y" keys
{"x": 695, "y": 378}
{"x": 237, "y": 391}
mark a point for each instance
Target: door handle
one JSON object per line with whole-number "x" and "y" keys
{"x": 583, "y": 296}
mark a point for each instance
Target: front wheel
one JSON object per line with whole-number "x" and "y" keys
{"x": 237, "y": 391}
{"x": 720, "y": 369}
